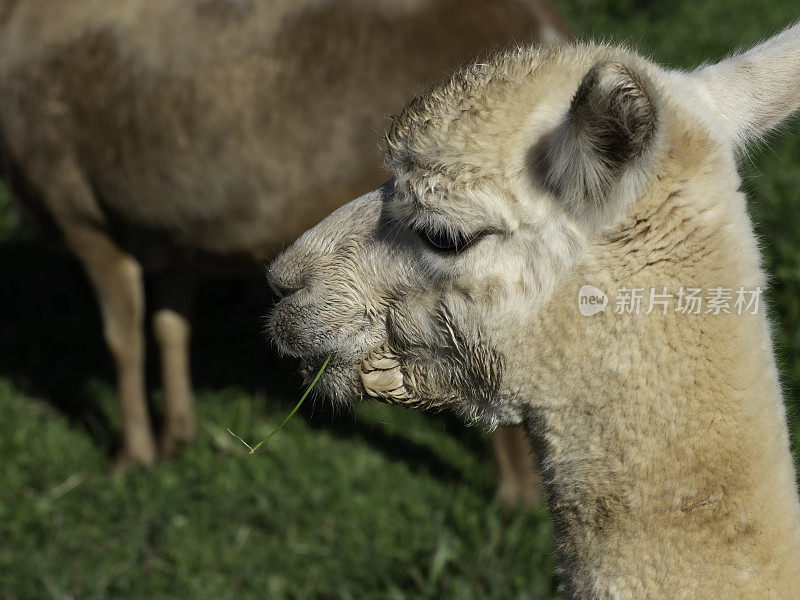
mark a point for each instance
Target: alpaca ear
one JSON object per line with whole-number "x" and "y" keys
{"x": 610, "y": 125}
{"x": 751, "y": 93}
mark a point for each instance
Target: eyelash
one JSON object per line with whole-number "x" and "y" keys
{"x": 443, "y": 242}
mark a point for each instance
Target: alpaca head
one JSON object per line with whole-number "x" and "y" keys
{"x": 506, "y": 178}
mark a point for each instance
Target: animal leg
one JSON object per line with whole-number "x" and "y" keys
{"x": 172, "y": 330}
{"x": 117, "y": 280}
{"x": 517, "y": 479}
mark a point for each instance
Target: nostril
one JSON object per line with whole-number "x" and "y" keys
{"x": 282, "y": 285}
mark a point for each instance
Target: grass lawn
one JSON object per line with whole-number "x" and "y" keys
{"x": 385, "y": 503}
{"x": 318, "y": 514}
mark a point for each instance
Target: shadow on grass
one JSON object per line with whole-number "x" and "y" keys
{"x": 398, "y": 447}
{"x": 52, "y": 347}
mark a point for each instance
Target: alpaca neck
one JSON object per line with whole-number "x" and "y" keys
{"x": 709, "y": 510}
{"x": 663, "y": 437}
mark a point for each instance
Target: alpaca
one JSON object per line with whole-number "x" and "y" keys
{"x": 165, "y": 137}
{"x": 533, "y": 189}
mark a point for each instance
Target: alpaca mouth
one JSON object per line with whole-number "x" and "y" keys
{"x": 350, "y": 378}
{"x": 343, "y": 380}
{"x": 339, "y": 382}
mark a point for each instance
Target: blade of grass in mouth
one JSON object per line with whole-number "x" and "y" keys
{"x": 291, "y": 414}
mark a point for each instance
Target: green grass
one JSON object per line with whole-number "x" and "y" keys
{"x": 288, "y": 417}
{"x": 389, "y": 504}
{"x": 312, "y": 515}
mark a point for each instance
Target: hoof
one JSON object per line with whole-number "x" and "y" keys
{"x": 127, "y": 459}
{"x": 175, "y": 436}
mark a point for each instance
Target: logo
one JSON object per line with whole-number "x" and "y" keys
{"x": 591, "y": 300}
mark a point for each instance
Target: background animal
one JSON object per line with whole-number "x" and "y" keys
{"x": 166, "y": 138}
{"x": 519, "y": 180}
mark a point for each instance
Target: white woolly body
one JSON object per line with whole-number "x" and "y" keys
{"x": 662, "y": 436}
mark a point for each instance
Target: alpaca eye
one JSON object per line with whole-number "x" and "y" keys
{"x": 445, "y": 242}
